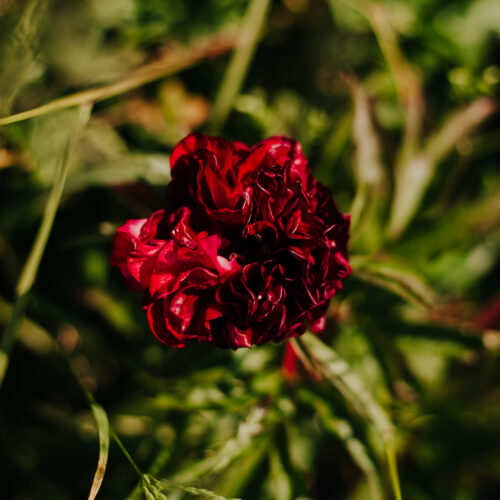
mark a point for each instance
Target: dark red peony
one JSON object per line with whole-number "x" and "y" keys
{"x": 249, "y": 247}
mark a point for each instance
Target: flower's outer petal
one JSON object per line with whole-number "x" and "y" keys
{"x": 155, "y": 312}
{"x": 195, "y": 142}
{"x": 124, "y": 243}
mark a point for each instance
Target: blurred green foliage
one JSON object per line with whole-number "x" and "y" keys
{"x": 394, "y": 105}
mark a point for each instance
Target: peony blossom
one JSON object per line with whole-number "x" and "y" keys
{"x": 249, "y": 248}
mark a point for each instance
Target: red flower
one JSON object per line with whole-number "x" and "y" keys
{"x": 250, "y": 247}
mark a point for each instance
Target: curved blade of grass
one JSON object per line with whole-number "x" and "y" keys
{"x": 103, "y": 429}
{"x": 30, "y": 269}
{"x": 176, "y": 59}
{"x": 411, "y": 168}
{"x": 406, "y": 80}
{"x": 339, "y": 374}
{"x": 458, "y": 125}
{"x": 416, "y": 173}
{"x": 240, "y": 62}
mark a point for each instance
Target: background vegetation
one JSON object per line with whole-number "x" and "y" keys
{"x": 394, "y": 104}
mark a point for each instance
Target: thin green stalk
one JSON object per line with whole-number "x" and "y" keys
{"x": 126, "y": 453}
{"x": 240, "y": 62}
{"x": 29, "y": 272}
{"x": 176, "y": 60}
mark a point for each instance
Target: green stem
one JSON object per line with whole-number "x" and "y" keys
{"x": 240, "y": 62}
{"x": 30, "y": 269}
{"x": 176, "y": 60}
{"x": 126, "y": 453}
{"x": 393, "y": 470}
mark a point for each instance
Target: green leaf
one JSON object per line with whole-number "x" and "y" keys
{"x": 103, "y": 430}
